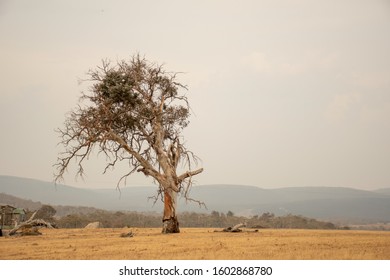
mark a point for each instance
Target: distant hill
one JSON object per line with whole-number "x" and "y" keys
{"x": 135, "y": 198}
{"x": 333, "y": 203}
{"x": 33, "y": 206}
{"x": 329, "y": 203}
{"x": 19, "y": 202}
{"x": 384, "y": 191}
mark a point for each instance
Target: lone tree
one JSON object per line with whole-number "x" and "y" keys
{"x": 135, "y": 112}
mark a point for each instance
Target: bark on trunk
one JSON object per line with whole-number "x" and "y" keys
{"x": 170, "y": 222}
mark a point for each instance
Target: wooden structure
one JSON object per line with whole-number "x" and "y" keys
{"x": 11, "y": 216}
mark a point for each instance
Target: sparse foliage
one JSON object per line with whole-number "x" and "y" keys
{"x": 135, "y": 112}
{"x": 46, "y": 212}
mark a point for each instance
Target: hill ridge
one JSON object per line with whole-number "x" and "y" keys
{"x": 316, "y": 202}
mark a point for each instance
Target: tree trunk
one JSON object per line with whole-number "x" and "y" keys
{"x": 170, "y": 222}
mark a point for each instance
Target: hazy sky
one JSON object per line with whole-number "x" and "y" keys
{"x": 284, "y": 93}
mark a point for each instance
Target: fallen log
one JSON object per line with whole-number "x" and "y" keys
{"x": 236, "y": 228}
{"x": 129, "y": 234}
{"x": 30, "y": 227}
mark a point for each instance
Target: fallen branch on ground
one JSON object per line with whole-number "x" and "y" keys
{"x": 236, "y": 228}
{"x": 30, "y": 227}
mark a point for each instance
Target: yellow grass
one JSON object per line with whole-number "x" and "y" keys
{"x": 198, "y": 244}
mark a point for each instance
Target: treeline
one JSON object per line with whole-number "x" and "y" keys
{"x": 215, "y": 219}
{"x": 78, "y": 217}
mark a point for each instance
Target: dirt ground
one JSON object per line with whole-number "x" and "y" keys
{"x": 197, "y": 244}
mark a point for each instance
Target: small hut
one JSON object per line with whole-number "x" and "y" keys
{"x": 11, "y": 216}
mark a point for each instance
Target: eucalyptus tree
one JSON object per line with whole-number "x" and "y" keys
{"x": 134, "y": 112}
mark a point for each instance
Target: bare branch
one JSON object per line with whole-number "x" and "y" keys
{"x": 189, "y": 174}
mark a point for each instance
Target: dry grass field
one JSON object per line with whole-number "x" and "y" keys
{"x": 198, "y": 244}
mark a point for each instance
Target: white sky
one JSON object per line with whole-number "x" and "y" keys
{"x": 284, "y": 93}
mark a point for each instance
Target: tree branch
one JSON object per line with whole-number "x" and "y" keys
{"x": 146, "y": 165}
{"x": 187, "y": 174}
